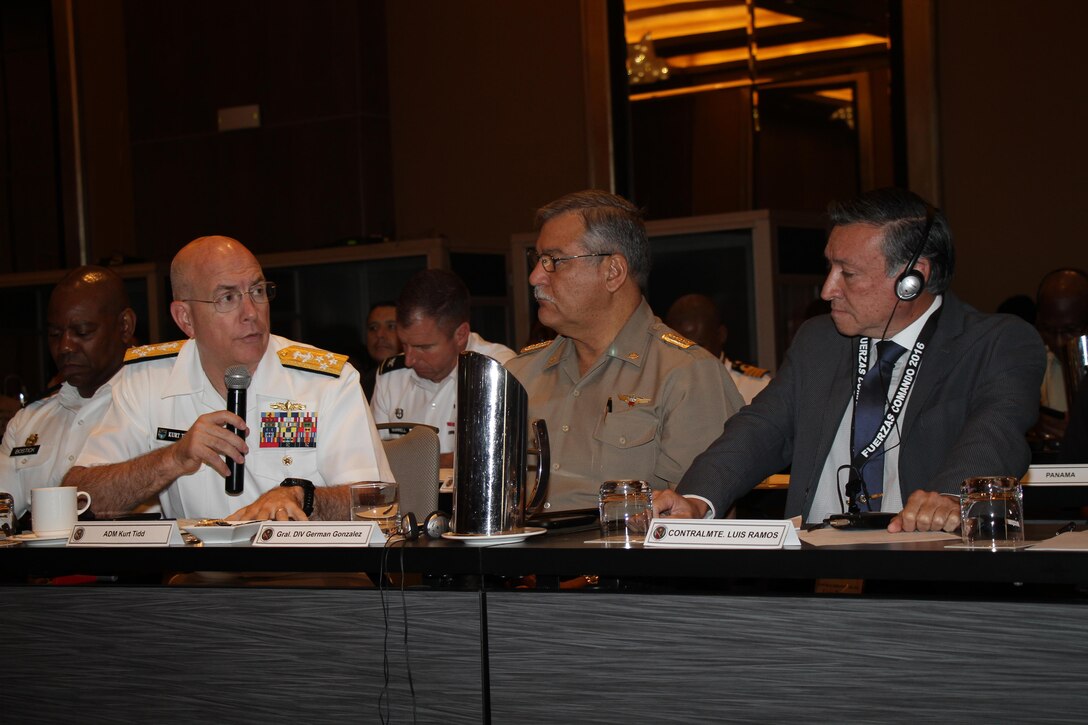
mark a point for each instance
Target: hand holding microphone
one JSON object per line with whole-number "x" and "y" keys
{"x": 237, "y": 379}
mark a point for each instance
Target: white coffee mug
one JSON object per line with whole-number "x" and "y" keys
{"x": 54, "y": 509}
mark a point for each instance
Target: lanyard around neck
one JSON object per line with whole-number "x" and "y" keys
{"x": 895, "y": 405}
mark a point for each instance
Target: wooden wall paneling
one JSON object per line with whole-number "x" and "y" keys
{"x": 104, "y": 165}
{"x": 31, "y": 237}
{"x": 318, "y": 168}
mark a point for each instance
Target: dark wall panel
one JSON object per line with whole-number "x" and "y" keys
{"x": 311, "y": 174}
{"x": 276, "y": 189}
{"x": 30, "y": 227}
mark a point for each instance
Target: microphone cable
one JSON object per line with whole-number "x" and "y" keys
{"x": 384, "y": 697}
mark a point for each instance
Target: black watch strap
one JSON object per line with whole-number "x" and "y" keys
{"x": 307, "y": 493}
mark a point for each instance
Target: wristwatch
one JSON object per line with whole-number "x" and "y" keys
{"x": 307, "y": 493}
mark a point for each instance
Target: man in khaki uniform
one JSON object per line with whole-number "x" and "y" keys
{"x": 623, "y": 395}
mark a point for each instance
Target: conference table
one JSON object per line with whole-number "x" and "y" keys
{"x": 552, "y": 629}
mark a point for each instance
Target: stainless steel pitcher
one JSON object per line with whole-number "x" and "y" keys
{"x": 489, "y": 489}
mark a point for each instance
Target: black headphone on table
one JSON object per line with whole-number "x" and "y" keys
{"x": 911, "y": 282}
{"x": 436, "y": 524}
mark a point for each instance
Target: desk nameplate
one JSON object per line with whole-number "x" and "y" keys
{"x": 319, "y": 533}
{"x": 1065, "y": 475}
{"x": 721, "y": 534}
{"x": 125, "y": 533}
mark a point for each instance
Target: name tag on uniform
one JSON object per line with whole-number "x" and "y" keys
{"x": 24, "y": 451}
{"x": 721, "y": 534}
{"x": 169, "y": 434}
{"x": 125, "y": 533}
{"x": 319, "y": 533}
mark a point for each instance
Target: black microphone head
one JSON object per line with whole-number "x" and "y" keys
{"x": 237, "y": 377}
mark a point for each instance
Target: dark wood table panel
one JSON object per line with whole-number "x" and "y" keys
{"x": 237, "y": 655}
{"x": 585, "y": 658}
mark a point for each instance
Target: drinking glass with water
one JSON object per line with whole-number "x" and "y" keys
{"x": 626, "y": 510}
{"x": 375, "y": 502}
{"x": 992, "y": 512}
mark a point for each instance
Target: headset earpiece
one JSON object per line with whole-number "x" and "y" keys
{"x": 436, "y": 524}
{"x": 909, "y": 285}
{"x": 911, "y": 282}
{"x": 409, "y": 527}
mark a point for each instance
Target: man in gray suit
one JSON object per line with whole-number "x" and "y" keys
{"x": 961, "y": 395}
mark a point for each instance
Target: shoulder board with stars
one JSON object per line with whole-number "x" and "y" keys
{"x": 390, "y": 364}
{"x": 535, "y": 346}
{"x": 749, "y": 370}
{"x": 156, "y": 351}
{"x": 677, "y": 340}
{"x": 312, "y": 360}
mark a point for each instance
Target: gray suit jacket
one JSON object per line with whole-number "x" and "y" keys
{"x": 976, "y": 395}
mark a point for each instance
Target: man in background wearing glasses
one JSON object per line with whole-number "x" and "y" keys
{"x": 624, "y": 396}
{"x": 164, "y": 434}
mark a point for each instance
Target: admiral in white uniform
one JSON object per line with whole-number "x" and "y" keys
{"x": 304, "y": 407}
{"x": 308, "y": 426}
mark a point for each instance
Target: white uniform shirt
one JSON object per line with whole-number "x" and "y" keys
{"x": 43, "y": 439}
{"x": 831, "y": 485}
{"x": 749, "y": 386}
{"x": 400, "y": 395}
{"x": 1052, "y": 394}
{"x": 302, "y": 424}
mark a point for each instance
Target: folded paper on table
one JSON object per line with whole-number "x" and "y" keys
{"x": 840, "y": 537}
{"x": 1069, "y": 541}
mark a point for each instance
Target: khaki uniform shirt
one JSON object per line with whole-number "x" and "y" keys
{"x": 668, "y": 398}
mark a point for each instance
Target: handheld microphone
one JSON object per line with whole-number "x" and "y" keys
{"x": 237, "y": 379}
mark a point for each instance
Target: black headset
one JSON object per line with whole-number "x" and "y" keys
{"x": 436, "y": 524}
{"x": 911, "y": 282}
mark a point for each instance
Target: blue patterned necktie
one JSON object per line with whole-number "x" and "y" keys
{"x": 869, "y": 412}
